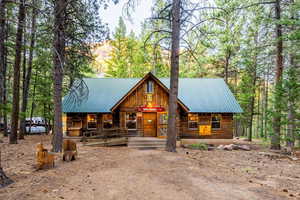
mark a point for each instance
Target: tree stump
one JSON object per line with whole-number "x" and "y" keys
{"x": 4, "y": 180}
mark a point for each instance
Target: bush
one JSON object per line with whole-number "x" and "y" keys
{"x": 200, "y": 146}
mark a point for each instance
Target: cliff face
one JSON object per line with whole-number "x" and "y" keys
{"x": 100, "y": 52}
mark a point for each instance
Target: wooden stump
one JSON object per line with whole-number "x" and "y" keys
{"x": 69, "y": 150}
{"x": 44, "y": 158}
{"x": 4, "y": 180}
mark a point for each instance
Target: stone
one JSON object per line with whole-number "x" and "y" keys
{"x": 244, "y": 147}
{"x": 229, "y": 147}
{"x": 220, "y": 147}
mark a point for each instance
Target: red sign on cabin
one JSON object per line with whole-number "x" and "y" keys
{"x": 150, "y": 109}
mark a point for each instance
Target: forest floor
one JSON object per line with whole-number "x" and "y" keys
{"x": 123, "y": 173}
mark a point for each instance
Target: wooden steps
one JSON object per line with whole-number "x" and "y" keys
{"x": 107, "y": 142}
{"x": 146, "y": 142}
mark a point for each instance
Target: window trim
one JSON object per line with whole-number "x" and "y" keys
{"x": 211, "y": 121}
{"x": 193, "y": 121}
{"x": 152, "y": 86}
{"x": 131, "y": 120}
{"x": 87, "y": 122}
{"x": 112, "y": 120}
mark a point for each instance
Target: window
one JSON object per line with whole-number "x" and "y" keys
{"x": 193, "y": 121}
{"x": 91, "y": 121}
{"x": 131, "y": 121}
{"x": 216, "y": 121}
{"x": 150, "y": 87}
{"x": 76, "y": 121}
{"x": 163, "y": 118}
{"x": 107, "y": 121}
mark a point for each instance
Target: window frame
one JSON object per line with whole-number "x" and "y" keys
{"x": 211, "y": 121}
{"x": 112, "y": 121}
{"x": 150, "y": 82}
{"x": 163, "y": 115}
{"x": 87, "y": 121}
{"x": 189, "y": 121}
{"x": 131, "y": 120}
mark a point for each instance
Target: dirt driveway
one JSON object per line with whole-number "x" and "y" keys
{"x": 123, "y": 173}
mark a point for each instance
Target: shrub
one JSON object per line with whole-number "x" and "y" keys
{"x": 200, "y": 146}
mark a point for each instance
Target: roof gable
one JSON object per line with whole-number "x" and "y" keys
{"x": 149, "y": 75}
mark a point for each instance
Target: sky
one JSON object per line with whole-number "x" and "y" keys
{"x": 113, "y": 12}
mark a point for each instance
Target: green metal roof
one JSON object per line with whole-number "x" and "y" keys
{"x": 205, "y": 95}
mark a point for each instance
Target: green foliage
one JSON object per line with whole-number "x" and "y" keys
{"x": 130, "y": 57}
{"x": 200, "y": 146}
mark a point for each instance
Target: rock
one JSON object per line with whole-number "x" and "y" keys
{"x": 229, "y": 147}
{"x": 285, "y": 190}
{"x": 244, "y": 147}
{"x": 210, "y": 148}
{"x": 61, "y": 197}
{"x": 291, "y": 195}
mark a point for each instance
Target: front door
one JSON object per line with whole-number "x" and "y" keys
{"x": 149, "y": 124}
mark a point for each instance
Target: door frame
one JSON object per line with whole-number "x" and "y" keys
{"x": 155, "y": 128}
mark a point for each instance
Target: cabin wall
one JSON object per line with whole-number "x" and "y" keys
{"x": 78, "y": 122}
{"x": 158, "y": 100}
{"x": 225, "y": 131}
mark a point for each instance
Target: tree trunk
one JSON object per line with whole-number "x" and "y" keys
{"x": 4, "y": 180}
{"x": 23, "y": 114}
{"x": 29, "y": 71}
{"x": 258, "y": 110}
{"x": 253, "y": 85}
{"x": 58, "y": 62}
{"x": 292, "y": 94}
{"x": 290, "y": 141}
{"x": 172, "y": 129}
{"x": 227, "y": 59}
{"x": 262, "y": 108}
{"x": 5, "y": 131}
{"x": 13, "y": 137}
{"x": 266, "y": 103}
{"x": 275, "y": 139}
{"x": 2, "y": 58}
{"x": 250, "y": 125}
{"x": 33, "y": 100}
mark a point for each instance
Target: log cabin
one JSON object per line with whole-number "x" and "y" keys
{"x": 139, "y": 107}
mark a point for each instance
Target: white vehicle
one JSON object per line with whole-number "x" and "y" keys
{"x": 35, "y": 129}
{"x": 36, "y": 120}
